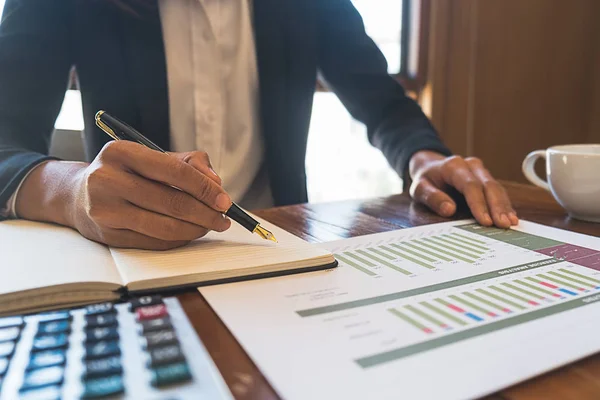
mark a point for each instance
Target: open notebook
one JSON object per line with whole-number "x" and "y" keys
{"x": 45, "y": 266}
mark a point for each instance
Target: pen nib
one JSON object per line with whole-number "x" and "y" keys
{"x": 265, "y": 234}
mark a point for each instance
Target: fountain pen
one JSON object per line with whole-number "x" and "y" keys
{"x": 119, "y": 130}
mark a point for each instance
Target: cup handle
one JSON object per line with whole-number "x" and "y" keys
{"x": 529, "y": 168}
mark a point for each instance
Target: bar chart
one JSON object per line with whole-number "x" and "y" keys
{"x": 413, "y": 257}
{"x": 462, "y": 308}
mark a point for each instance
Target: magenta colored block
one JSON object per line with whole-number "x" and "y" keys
{"x": 591, "y": 261}
{"x": 569, "y": 252}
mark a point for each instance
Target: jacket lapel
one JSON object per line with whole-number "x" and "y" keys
{"x": 145, "y": 61}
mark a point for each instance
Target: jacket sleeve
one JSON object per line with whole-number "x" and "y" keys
{"x": 34, "y": 70}
{"x": 355, "y": 69}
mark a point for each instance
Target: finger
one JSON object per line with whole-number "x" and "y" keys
{"x": 156, "y": 225}
{"x": 457, "y": 173}
{"x": 497, "y": 199}
{"x": 125, "y": 238}
{"x": 425, "y": 192}
{"x": 169, "y": 170}
{"x": 201, "y": 161}
{"x": 165, "y": 200}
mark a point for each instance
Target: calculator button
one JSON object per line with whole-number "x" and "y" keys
{"x": 9, "y": 334}
{"x": 166, "y": 355}
{"x": 157, "y": 324}
{"x": 102, "y": 320}
{"x": 7, "y": 349}
{"x": 54, "y": 316}
{"x": 9, "y": 322}
{"x": 43, "y": 377}
{"x": 47, "y": 393}
{"x": 102, "y": 349}
{"x": 168, "y": 374}
{"x": 4, "y": 365}
{"x": 48, "y": 358}
{"x": 101, "y": 308}
{"x": 50, "y": 342}
{"x": 54, "y": 327}
{"x": 103, "y": 367}
{"x": 151, "y": 312}
{"x": 101, "y": 387}
{"x": 100, "y": 334}
{"x": 160, "y": 338}
{"x": 145, "y": 301}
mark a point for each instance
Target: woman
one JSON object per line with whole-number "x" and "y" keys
{"x": 229, "y": 78}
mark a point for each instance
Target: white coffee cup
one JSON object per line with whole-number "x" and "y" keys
{"x": 573, "y": 173}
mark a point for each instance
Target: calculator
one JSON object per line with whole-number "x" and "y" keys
{"x": 145, "y": 349}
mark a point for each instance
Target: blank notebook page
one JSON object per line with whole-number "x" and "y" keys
{"x": 235, "y": 249}
{"x": 36, "y": 255}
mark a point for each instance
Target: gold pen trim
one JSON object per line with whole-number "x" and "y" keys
{"x": 105, "y": 127}
{"x": 265, "y": 234}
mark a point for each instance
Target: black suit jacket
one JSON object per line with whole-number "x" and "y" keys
{"x": 120, "y": 63}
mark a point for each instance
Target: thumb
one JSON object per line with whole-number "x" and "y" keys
{"x": 439, "y": 202}
{"x": 201, "y": 162}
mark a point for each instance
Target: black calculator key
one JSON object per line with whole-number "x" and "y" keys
{"x": 145, "y": 301}
{"x": 102, "y": 387}
{"x": 46, "y": 393}
{"x": 9, "y": 334}
{"x": 166, "y": 355}
{"x": 11, "y": 321}
{"x": 54, "y": 316}
{"x": 169, "y": 374}
{"x": 46, "y": 328}
{"x": 43, "y": 377}
{"x": 4, "y": 365}
{"x": 101, "y": 308}
{"x": 50, "y": 342}
{"x": 7, "y": 349}
{"x": 103, "y": 367}
{"x": 155, "y": 325}
{"x": 160, "y": 338}
{"x": 102, "y": 349}
{"x": 101, "y": 320}
{"x": 50, "y": 358}
{"x": 101, "y": 334}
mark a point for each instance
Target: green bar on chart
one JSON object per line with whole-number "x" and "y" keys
{"x": 448, "y": 253}
{"x": 427, "y": 317}
{"x": 460, "y": 245}
{"x": 486, "y": 301}
{"x": 409, "y": 258}
{"x": 512, "y": 236}
{"x": 410, "y": 320}
{"x": 426, "y": 251}
{"x": 469, "y": 238}
{"x": 530, "y": 286}
{"x": 501, "y": 299}
{"x": 383, "y": 262}
{"x": 359, "y": 259}
{"x": 381, "y": 253}
{"x": 559, "y": 281}
{"x": 472, "y": 305}
{"x": 514, "y": 295}
{"x": 354, "y": 265}
{"x": 414, "y": 253}
{"x": 443, "y": 313}
{"x": 463, "y": 239}
{"x": 451, "y": 248}
{"x": 524, "y": 291}
{"x": 570, "y": 278}
{"x": 567, "y": 271}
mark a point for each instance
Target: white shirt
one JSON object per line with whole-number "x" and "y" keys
{"x": 213, "y": 93}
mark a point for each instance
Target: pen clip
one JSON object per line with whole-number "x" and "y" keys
{"x": 105, "y": 127}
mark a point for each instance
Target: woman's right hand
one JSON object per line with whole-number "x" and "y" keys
{"x": 127, "y": 198}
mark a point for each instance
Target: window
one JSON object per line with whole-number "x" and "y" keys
{"x": 341, "y": 163}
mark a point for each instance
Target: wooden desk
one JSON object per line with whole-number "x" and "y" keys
{"x": 326, "y": 222}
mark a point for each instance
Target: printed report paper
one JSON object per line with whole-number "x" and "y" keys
{"x": 451, "y": 310}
